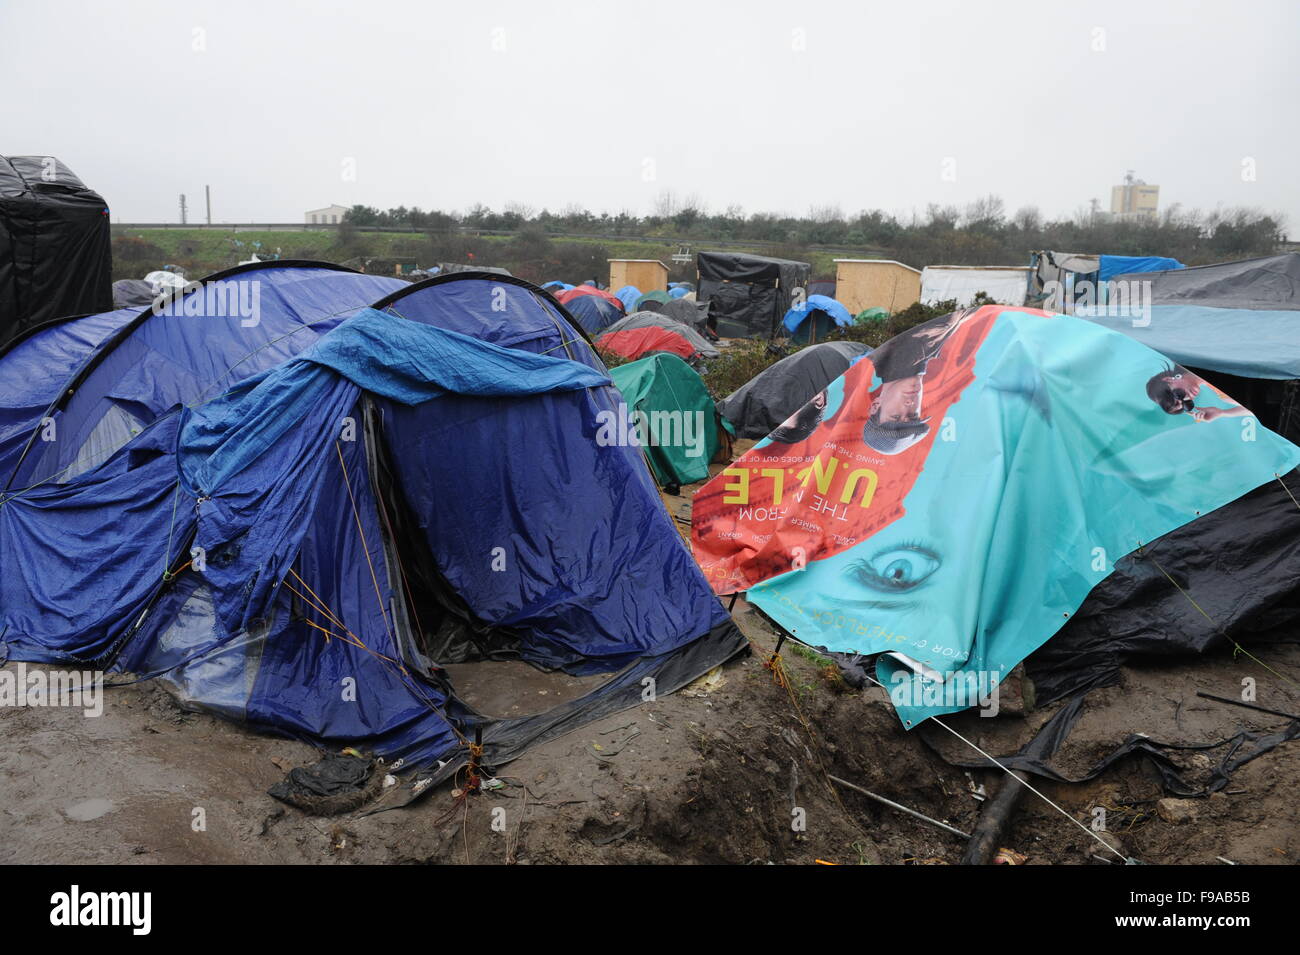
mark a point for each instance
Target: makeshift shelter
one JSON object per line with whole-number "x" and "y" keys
{"x": 645, "y": 274}
{"x": 644, "y": 332}
{"x": 962, "y": 283}
{"x": 1060, "y": 280}
{"x": 822, "y": 287}
{"x": 766, "y": 401}
{"x": 876, "y": 283}
{"x": 446, "y": 268}
{"x": 56, "y": 255}
{"x": 1235, "y": 324}
{"x": 866, "y": 532}
{"x": 815, "y": 318}
{"x": 676, "y": 425}
{"x": 303, "y": 547}
{"x": 747, "y": 295}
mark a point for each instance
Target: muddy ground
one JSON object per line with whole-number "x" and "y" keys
{"x": 711, "y": 774}
{"x": 734, "y": 769}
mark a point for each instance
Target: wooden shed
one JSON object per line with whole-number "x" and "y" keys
{"x": 648, "y": 275}
{"x": 876, "y": 283}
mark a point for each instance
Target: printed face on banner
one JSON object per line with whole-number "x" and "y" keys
{"x": 836, "y": 472}
{"x": 952, "y": 498}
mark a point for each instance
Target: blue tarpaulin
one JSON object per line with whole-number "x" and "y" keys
{"x": 798, "y": 313}
{"x": 1113, "y": 265}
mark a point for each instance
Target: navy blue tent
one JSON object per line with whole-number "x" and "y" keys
{"x": 300, "y": 547}
{"x": 593, "y": 312}
{"x": 37, "y": 366}
{"x": 189, "y": 349}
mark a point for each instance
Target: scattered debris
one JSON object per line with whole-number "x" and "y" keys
{"x": 336, "y": 784}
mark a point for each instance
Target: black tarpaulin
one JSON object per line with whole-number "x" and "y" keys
{"x": 55, "y": 250}
{"x": 1231, "y": 574}
{"x": 748, "y": 295}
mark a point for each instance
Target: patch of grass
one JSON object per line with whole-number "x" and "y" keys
{"x": 809, "y": 654}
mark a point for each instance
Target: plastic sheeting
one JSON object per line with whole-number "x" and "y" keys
{"x": 747, "y": 295}
{"x": 1238, "y": 318}
{"x": 908, "y": 518}
{"x": 798, "y": 314}
{"x": 1115, "y": 265}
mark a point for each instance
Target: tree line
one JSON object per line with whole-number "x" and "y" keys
{"x": 979, "y": 233}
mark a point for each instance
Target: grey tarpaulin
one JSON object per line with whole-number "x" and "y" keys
{"x": 685, "y": 311}
{"x": 647, "y": 319}
{"x": 1236, "y": 318}
{"x": 759, "y": 406}
{"x": 133, "y": 293}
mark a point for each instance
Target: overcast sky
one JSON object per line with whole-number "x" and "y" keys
{"x": 286, "y": 106}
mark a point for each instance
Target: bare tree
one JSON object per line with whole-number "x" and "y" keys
{"x": 665, "y": 205}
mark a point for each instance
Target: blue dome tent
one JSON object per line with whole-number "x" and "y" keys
{"x": 815, "y": 318}
{"x": 593, "y": 312}
{"x": 264, "y": 537}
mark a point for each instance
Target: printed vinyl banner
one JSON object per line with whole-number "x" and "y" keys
{"x": 952, "y": 498}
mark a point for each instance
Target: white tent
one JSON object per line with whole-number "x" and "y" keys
{"x": 1006, "y": 285}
